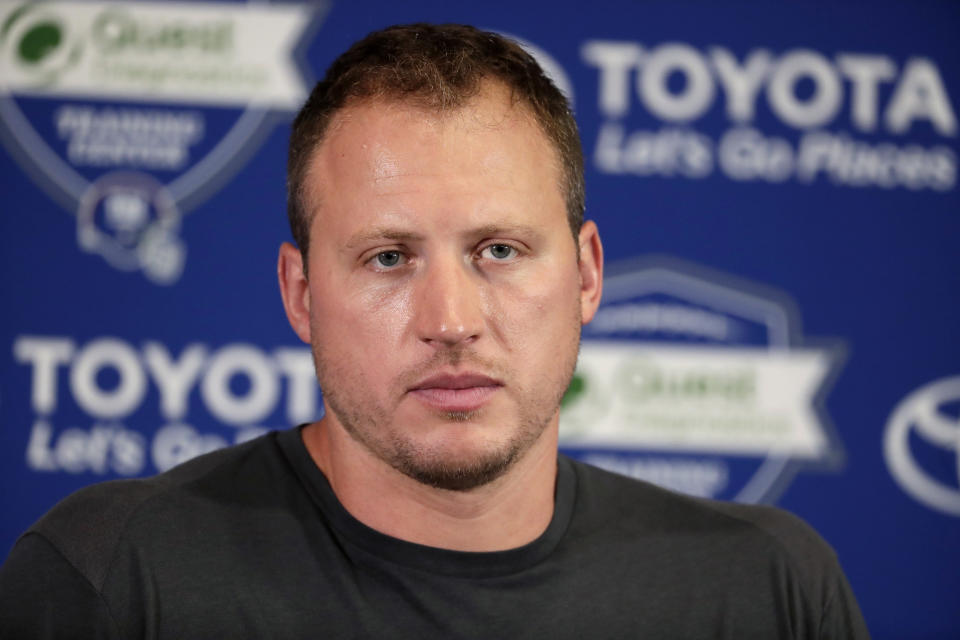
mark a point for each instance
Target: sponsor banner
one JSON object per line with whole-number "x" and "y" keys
{"x": 203, "y": 53}
{"x": 746, "y": 401}
{"x": 130, "y": 114}
{"x": 696, "y": 381}
{"x": 846, "y": 115}
{"x": 111, "y": 407}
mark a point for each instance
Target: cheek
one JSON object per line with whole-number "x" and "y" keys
{"x": 358, "y": 320}
{"x": 540, "y": 315}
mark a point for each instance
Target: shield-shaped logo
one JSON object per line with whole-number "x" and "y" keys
{"x": 700, "y": 382}
{"x": 131, "y": 114}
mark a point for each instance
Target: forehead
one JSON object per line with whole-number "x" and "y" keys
{"x": 371, "y": 142}
{"x": 493, "y": 104}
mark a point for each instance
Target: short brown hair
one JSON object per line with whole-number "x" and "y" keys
{"x": 438, "y": 67}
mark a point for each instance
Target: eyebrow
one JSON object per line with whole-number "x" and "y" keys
{"x": 400, "y": 235}
{"x": 381, "y": 233}
{"x": 507, "y": 229}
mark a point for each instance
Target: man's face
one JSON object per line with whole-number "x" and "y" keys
{"x": 445, "y": 296}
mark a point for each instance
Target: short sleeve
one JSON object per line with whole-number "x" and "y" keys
{"x": 842, "y": 619}
{"x": 44, "y": 596}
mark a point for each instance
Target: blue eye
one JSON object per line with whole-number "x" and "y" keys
{"x": 388, "y": 258}
{"x": 500, "y": 251}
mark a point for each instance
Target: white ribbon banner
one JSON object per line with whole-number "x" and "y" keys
{"x": 212, "y": 54}
{"x": 725, "y": 400}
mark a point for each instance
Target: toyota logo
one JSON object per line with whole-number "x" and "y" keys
{"x": 922, "y": 413}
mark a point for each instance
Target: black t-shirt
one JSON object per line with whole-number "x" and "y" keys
{"x": 251, "y": 542}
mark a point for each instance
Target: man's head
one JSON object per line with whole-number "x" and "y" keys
{"x": 438, "y": 68}
{"x": 445, "y": 294}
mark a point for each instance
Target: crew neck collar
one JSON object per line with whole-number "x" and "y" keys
{"x": 473, "y": 564}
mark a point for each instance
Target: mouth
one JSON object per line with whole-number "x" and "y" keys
{"x": 456, "y": 393}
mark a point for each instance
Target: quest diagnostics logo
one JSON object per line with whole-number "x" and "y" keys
{"x": 699, "y": 382}
{"x": 922, "y": 445}
{"x": 38, "y": 44}
{"x": 131, "y": 114}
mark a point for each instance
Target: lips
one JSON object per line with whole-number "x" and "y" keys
{"x": 461, "y": 392}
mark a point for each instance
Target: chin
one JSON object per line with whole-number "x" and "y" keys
{"x": 459, "y": 463}
{"x": 456, "y": 474}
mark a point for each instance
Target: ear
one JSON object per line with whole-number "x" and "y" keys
{"x": 294, "y": 289}
{"x": 591, "y": 270}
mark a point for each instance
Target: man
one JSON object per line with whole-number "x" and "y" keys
{"x": 443, "y": 274}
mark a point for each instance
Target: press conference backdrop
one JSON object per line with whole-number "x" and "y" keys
{"x": 776, "y": 187}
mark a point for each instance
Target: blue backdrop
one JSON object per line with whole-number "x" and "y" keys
{"x": 776, "y": 189}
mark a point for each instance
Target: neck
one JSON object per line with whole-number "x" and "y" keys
{"x": 504, "y": 514}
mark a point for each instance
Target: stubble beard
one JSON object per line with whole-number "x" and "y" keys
{"x": 367, "y": 422}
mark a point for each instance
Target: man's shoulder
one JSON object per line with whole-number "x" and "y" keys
{"x": 644, "y": 509}
{"x": 86, "y": 526}
{"x": 757, "y": 565}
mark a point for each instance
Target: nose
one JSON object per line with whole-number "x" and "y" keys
{"x": 448, "y": 308}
